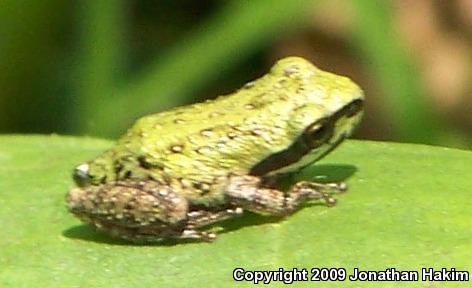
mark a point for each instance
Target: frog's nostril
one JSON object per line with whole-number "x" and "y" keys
{"x": 81, "y": 175}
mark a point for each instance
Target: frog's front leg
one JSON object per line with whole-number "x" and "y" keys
{"x": 248, "y": 192}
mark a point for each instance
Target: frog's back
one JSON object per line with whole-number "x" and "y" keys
{"x": 230, "y": 127}
{"x": 203, "y": 142}
{"x": 292, "y": 82}
{"x": 199, "y": 141}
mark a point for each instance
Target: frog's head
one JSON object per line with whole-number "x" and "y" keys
{"x": 326, "y": 109}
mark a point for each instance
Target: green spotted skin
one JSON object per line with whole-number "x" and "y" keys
{"x": 200, "y": 144}
{"x": 259, "y": 130}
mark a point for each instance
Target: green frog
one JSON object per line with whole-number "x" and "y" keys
{"x": 176, "y": 172}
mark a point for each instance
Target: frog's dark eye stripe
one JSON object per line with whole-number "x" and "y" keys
{"x": 281, "y": 159}
{"x": 314, "y": 136}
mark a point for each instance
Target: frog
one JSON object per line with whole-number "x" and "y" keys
{"x": 177, "y": 173}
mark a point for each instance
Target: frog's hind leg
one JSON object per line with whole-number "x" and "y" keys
{"x": 248, "y": 193}
{"x": 200, "y": 218}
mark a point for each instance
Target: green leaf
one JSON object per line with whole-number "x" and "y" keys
{"x": 408, "y": 207}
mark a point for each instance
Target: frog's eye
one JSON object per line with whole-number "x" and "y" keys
{"x": 81, "y": 175}
{"x": 317, "y": 133}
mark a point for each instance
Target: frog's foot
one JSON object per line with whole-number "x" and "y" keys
{"x": 248, "y": 193}
{"x": 305, "y": 190}
{"x": 200, "y": 218}
{"x": 197, "y": 234}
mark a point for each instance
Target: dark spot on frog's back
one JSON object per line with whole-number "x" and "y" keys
{"x": 206, "y": 132}
{"x": 178, "y": 148}
{"x": 301, "y": 89}
{"x": 203, "y": 150}
{"x": 215, "y": 114}
{"x": 143, "y": 163}
{"x": 127, "y": 174}
{"x": 203, "y": 187}
{"x": 256, "y": 132}
{"x": 118, "y": 167}
{"x": 179, "y": 121}
{"x": 231, "y": 135}
{"x": 249, "y": 106}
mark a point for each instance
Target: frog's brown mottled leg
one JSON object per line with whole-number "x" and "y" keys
{"x": 246, "y": 191}
{"x": 201, "y": 218}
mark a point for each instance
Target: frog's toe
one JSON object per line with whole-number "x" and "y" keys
{"x": 196, "y": 234}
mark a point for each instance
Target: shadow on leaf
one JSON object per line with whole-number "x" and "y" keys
{"x": 325, "y": 173}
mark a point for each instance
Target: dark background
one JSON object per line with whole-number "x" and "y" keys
{"x": 92, "y": 67}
